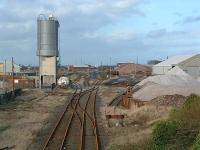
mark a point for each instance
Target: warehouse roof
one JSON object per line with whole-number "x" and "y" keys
{"x": 80, "y": 66}
{"x": 175, "y": 60}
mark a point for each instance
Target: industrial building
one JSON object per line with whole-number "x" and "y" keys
{"x": 48, "y": 49}
{"x": 75, "y": 68}
{"x": 188, "y": 63}
{"x": 6, "y": 68}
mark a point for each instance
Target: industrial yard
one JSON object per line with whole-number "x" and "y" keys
{"x": 108, "y": 107}
{"x": 99, "y": 75}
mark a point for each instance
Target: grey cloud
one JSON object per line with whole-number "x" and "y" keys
{"x": 154, "y": 23}
{"x": 178, "y": 14}
{"x": 99, "y": 12}
{"x": 80, "y": 21}
{"x": 157, "y": 33}
{"x": 172, "y": 41}
{"x": 77, "y": 17}
{"x": 163, "y": 33}
{"x": 191, "y": 19}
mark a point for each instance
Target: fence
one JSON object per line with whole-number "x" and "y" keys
{"x": 9, "y": 96}
{"x": 6, "y": 82}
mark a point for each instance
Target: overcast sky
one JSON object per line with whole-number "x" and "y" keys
{"x": 92, "y": 31}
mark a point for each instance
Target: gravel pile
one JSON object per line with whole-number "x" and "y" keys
{"x": 168, "y": 100}
{"x": 175, "y": 82}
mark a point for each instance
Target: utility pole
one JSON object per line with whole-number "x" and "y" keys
{"x": 132, "y": 66}
{"x": 136, "y": 66}
{"x": 101, "y": 67}
{"x": 13, "y": 84}
{"x": 4, "y": 84}
{"x": 110, "y": 67}
{"x": 81, "y": 60}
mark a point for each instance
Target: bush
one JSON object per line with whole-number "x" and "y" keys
{"x": 191, "y": 101}
{"x": 163, "y": 132}
{"x": 147, "y": 146}
{"x": 122, "y": 147}
{"x": 188, "y": 114}
{"x": 196, "y": 145}
{"x": 179, "y": 132}
{"x": 3, "y": 128}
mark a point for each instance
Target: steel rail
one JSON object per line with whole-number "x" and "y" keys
{"x": 75, "y": 104}
{"x": 87, "y": 114}
{"x": 57, "y": 124}
{"x": 70, "y": 122}
{"x": 83, "y": 124}
{"x": 91, "y": 119}
{"x": 95, "y": 122}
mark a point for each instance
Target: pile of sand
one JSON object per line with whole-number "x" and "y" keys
{"x": 133, "y": 68}
{"x": 176, "y": 81}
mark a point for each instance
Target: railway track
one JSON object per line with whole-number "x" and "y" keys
{"x": 76, "y": 127}
{"x": 116, "y": 101}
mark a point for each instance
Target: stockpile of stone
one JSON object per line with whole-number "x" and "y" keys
{"x": 168, "y": 100}
{"x": 175, "y": 81}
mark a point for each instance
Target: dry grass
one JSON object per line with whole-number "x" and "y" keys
{"x": 26, "y": 117}
{"x": 138, "y": 125}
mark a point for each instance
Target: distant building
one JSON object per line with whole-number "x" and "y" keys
{"x": 154, "y": 62}
{"x": 122, "y": 64}
{"x": 106, "y": 67}
{"x": 75, "y": 68}
{"x": 188, "y": 63}
{"x": 7, "y": 68}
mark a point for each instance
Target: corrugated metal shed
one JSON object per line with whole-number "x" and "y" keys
{"x": 174, "y": 60}
{"x": 188, "y": 63}
{"x": 80, "y": 66}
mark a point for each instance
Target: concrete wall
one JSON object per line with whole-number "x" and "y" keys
{"x": 157, "y": 70}
{"x": 192, "y": 66}
{"x": 48, "y": 66}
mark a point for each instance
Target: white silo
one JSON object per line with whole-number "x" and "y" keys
{"x": 48, "y": 52}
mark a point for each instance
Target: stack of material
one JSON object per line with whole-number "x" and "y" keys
{"x": 175, "y": 81}
{"x": 168, "y": 100}
{"x": 126, "y": 69}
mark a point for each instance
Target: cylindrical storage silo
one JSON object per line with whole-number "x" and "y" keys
{"x": 47, "y": 37}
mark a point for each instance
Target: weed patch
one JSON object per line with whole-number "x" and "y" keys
{"x": 3, "y": 128}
